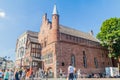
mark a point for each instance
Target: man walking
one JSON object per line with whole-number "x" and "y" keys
{"x": 70, "y": 72}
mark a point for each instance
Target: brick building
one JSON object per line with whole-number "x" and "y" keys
{"x": 61, "y": 45}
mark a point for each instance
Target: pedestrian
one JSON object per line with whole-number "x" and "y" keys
{"x": 79, "y": 73}
{"x": 1, "y": 74}
{"x": 75, "y": 74}
{"x": 17, "y": 75}
{"x": 70, "y": 72}
{"x": 61, "y": 73}
{"x": 11, "y": 75}
{"x": 20, "y": 73}
{"x": 6, "y": 75}
{"x": 29, "y": 73}
{"x": 23, "y": 74}
{"x": 46, "y": 75}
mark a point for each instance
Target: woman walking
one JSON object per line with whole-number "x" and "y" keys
{"x": 6, "y": 75}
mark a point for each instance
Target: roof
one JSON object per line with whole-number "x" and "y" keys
{"x": 55, "y": 10}
{"x": 77, "y": 33}
{"x": 33, "y": 36}
{"x": 31, "y": 33}
{"x": 28, "y": 32}
{"x": 33, "y": 39}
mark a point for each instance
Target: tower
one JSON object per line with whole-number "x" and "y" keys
{"x": 48, "y": 38}
{"x": 55, "y": 35}
{"x": 55, "y": 24}
{"x": 55, "y": 18}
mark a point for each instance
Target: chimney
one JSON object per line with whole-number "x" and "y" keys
{"x": 91, "y": 32}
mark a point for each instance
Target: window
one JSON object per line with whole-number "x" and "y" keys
{"x": 73, "y": 60}
{"x": 96, "y": 62}
{"x": 80, "y": 40}
{"x": 34, "y": 54}
{"x": 63, "y": 63}
{"x": 73, "y": 38}
{"x": 33, "y": 45}
{"x": 38, "y": 46}
{"x": 84, "y": 60}
{"x": 67, "y": 37}
{"x": 76, "y": 39}
{"x": 70, "y": 37}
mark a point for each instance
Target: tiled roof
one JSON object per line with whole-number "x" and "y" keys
{"x": 77, "y": 33}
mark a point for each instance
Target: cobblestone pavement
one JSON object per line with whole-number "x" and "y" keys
{"x": 87, "y": 79}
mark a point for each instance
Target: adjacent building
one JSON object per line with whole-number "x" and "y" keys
{"x": 6, "y": 64}
{"x": 61, "y": 45}
{"x": 27, "y": 50}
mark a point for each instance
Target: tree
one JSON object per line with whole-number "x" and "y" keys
{"x": 109, "y": 36}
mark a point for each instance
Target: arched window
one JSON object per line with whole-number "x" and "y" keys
{"x": 84, "y": 60}
{"x": 95, "y": 62}
{"x": 45, "y": 42}
{"x": 73, "y": 60}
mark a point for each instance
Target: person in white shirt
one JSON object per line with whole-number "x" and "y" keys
{"x": 70, "y": 72}
{"x": 60, "y": 73}
{"x": 79, "y": 73}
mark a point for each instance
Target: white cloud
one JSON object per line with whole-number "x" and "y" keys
{"x": 2, "y": 14}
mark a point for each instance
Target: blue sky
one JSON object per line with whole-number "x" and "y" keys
{"x": 17, "y": 16}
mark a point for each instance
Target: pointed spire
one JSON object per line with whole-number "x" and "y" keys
{"x": 55, "y": 10}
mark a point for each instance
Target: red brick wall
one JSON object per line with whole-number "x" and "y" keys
{"x": 65, "y": 50}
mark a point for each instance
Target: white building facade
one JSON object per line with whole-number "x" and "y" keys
{"x": 21, "y": 47}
